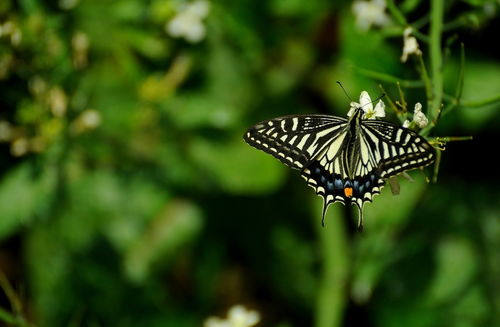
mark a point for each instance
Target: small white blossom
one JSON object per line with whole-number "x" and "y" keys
{"x": 238, "y": 316}
{"x": 419, "y": 117}
{"x": 410, "y": 45}
{"x": 370, "y": 13}
{"x": 37, "y": 85}
{"x": 80, "y": 43}
{"x": 68, "y": 4}
{"x": 9, "y": 28}
{"x": 188, "y": 23}
{"x": 58, "y": 101}
{"x": 365, "y": 103}
{"x": 5, "y": 131}
{"x": 406, "y": 124}
{"x": 19, "y": 147}
{"x": 87, "y": 120}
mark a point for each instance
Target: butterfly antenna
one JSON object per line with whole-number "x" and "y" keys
{"x": 378, "y": 98}
{"x": 345, "y": 92}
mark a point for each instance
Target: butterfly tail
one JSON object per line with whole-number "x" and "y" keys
{"x": 360, "y": 217}
{"x": 326, "y": 203}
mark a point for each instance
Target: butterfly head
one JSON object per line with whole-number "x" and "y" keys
{"x": 357, "y": 114}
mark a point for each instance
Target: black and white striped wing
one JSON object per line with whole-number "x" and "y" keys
{"x": 393, "y": 149}
{"x": 295, "y": 140}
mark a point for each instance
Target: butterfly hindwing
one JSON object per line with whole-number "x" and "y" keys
{"x": 396, "y": 149}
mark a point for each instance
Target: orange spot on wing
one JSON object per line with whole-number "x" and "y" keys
{"x": 348, "y": 191}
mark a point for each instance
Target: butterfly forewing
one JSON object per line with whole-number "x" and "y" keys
{"x": 295, "y": 140}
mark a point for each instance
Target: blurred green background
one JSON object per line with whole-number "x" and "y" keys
{"x": 128, "y": 197}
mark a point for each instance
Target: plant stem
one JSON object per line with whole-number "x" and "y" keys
{"x": 388, "y": 78}
{"x": 401, "y": 115}
{"x": 332, "y": 289}
{"x": 445, "y": 139}
{"x": 425, "y": 78}
{"x": 400, "y": 18}
{"x": 460, "y": 84}
{"x": 480, "y": 103}
{"x": 468, "y": 104}
{"x": 421, "y": 22}
{"x": 436, "y": 166}
{"x": 436, "y": 29}
{"x": 11, "y": 295}
{"x": 396, "y": 13}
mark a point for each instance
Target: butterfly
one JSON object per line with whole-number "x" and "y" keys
{"x": 344, "y": 160}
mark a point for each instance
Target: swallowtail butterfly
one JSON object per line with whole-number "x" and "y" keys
{"x": 344, "y": 160}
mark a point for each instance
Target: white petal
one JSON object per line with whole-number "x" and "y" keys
{"x": 407, "y": 32}
{"x": 406, "y": 123}
{"x": 420, "y": 119}
{"x": 199, "y": 8}
{"x": 176, "y": 26}
{"x": 216, "y": 322}
{"x": 380, "y": 109}
{"x": 195, "y": 32}
{"x": 379, "y": 3}
{"x": 370, "y": 13}
{"x": 354, "y": 105}
{"x": 239, "y": 316}
{"x": 418, "y": 107}
{"x": 410, "y": 47}
{"x": 365, "y": 101}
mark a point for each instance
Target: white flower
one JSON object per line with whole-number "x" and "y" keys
{"x": 188, "y": 23}
{"x": 365, "y": 103}
{"x": 238, "y": 316}
{"x": 419, "y": 117}
{"x": 19, "y": 147}
{"x": 410, "y": 45}
{"x": 370, "y": 13}
{"x": 87, "y": 120}
{"x": 9, "y": 28}
{"x": 58, "y": 101}
{"x": 406, "y": 124}
{"x": 5, "y": 131}
{"x": 68, "y": 4}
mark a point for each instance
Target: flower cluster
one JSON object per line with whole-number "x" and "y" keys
{"x": 238, "y": 316}
{"x": 10, "y": 30}
{"x": 365, "y": 103}
{"x": 419, "y": 118}
{"x": 188, "y": 23}
{"x": 51, "y": 104}
{"x": 371, "y": 112}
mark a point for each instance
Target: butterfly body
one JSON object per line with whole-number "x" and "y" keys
{"x": 344, "y": 160}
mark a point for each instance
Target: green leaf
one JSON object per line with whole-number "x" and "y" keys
{"x": 375, "y": 250}
{"x": 23, "y": 196}
{"x": 293, "y": 268}
{"x": 176, "y": 226}
{"x": 475, "y": 90}
{"x": 237, "y": 167}
{"x": 457, "y": 263}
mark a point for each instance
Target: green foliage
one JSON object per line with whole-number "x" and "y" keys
{"x": 128, "y": 197}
